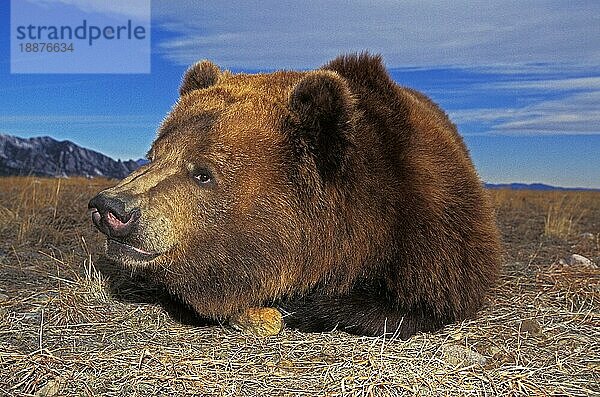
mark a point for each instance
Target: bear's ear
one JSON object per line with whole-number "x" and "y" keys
{"x": 323, "y": 109}
{"x": 201, "y": 75}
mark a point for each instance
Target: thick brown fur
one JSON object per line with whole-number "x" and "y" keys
{"x": 336, "y": 195}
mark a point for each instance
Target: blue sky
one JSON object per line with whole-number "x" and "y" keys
{"x": 520, "y": 79}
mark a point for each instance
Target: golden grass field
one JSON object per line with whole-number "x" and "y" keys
{"x": 73, "y": 324}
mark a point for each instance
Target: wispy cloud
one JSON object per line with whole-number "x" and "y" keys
{"x": 261, "y": 34}
{"x": 568, "y": 84}
{"x": 544, "y": 53}
{"x": 573, "y": 114}
{"x": 136, "y": 9}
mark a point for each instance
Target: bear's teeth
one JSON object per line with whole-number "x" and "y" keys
{"x": 141, "y": 251}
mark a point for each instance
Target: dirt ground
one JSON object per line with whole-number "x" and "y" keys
{"x": 74, "y": 324}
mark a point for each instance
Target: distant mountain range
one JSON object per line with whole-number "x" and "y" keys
{"x": 532, "y": 186}
{"x": 45, "y": 156}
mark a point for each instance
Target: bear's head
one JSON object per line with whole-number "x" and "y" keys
{"x": 241, "y": 175}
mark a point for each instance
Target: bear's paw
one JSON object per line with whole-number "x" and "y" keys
{"x": 259, "y": 321}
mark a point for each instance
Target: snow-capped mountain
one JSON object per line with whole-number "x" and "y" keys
{"x": 45, "y": 156}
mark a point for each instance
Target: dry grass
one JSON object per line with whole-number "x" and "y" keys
{"x": 72, "y": 324}
{"x": 563, "y": 217}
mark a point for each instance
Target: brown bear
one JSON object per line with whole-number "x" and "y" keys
{"x": 334, "y": 195}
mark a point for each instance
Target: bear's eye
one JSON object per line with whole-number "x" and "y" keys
{"x": 203, "y": 177}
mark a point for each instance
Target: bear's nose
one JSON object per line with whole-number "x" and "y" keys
{"x": 111, "y": 217}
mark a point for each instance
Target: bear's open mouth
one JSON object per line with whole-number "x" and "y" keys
{"x": 121, "y": 249}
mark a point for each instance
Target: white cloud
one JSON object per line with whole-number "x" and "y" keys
{"x": 573, "y": 114}
{"x": 275, "y": 34}
{"x": 482, "y": 115}
{"x": 579, "y": 83}
{"x": 136, "y": 9}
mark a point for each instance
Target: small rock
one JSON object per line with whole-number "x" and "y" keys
{"x": 458, "y": 355}
{"x": 580, "y": 260}
{"x": 531, "y": 326}
{"x": 587, "y": 235}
